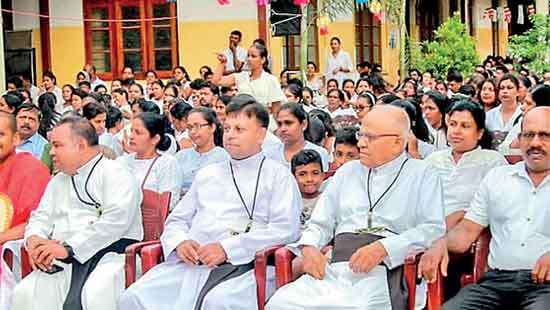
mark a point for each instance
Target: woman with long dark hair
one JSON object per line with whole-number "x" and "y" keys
{"x": 435, "y": 107}
{"x": 293, "y": 123}
{"x": 155, "y": 170}
{"x": 418, "y": 145}
{"x": 206, "y": 132}
{"x": 49, "y": 84}
{"x": 257, "y": 82}
{"x": 50, "y": 117}
{"x": 467, "y": 161}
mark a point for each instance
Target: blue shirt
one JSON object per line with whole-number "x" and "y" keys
{"x": 190, "y": 162}
{"x": 34, "y": 145}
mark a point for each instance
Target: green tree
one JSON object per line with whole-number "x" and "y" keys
{"x": 452, "y": 47}
{"x": 533, "y": 46}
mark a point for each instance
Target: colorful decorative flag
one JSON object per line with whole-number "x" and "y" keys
{"x": 507, "y": 15}
{"x": 301, "y": 2}
{"x": 361, "y": 2}
{"x": 323, "y": 25}
{"x": 223, "y": 2}
{"x": 262, "y": 2}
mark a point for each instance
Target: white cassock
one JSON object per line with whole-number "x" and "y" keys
{"x": 208, "y": 213}
{"x": 62, "y": 216}
{"x": 412, "y": 208}
{"x": 163, "y": 176}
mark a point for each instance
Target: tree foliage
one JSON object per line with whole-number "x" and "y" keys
{"x": 452, "y": 47}
{"x": 533, "y": 46}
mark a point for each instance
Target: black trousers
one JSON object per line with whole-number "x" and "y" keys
{"x": 502, "y": 290}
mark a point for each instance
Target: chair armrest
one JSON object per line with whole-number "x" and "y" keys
{"x": 435, "y": 289}
{"x": 283, "y": 266}
{"x": 151, "y": 256}
{"x": 409, "y": 273}
{"x": 130, "y": 257}
{"x": 260, "y": 270}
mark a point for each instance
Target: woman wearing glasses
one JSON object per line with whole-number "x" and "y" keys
{"x": 206, "y": 133}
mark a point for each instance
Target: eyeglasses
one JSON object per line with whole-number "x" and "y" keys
{"x": 197, "y": 126}
{"x": 530, "y": 135}
{"x": 371, "y": 138}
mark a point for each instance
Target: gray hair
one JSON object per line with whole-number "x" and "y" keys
{"x": 82, "y": 128}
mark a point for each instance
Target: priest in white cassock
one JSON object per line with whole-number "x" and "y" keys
{"x": 233, "y": 209}
{"x": 89, "y": 213}
{"x": 377, "y": 210}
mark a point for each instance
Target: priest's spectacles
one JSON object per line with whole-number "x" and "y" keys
{"x": 370, "y": 137}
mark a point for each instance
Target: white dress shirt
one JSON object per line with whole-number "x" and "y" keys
{"x": 518, "y": 214}
{"x": 242, "y": 54}
{"x": 277, "y": 152}
{"x": 341, "y": 60}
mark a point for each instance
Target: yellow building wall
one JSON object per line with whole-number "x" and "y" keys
{"x": 67, "y": 51}
{"x": 38, "y": 54}
{"x": 198, "y": 42}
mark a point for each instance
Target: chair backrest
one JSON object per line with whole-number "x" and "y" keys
{"x": 512, "y": 159}
{"x": 481, "y": 254}
{"x": 154, "y": 210}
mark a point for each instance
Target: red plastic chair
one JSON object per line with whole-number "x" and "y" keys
{"x": 154, "y": 211}
{"x": 284, "y": 275}
{"x": 512, "y": 159}
{"x": 25, "y": 263}
{"x": 480, "y": 250}
{"x": 151, "y": 256}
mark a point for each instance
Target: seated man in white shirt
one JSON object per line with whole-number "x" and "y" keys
{"x": 513, "y": 202}
{"x": 89, "y": 213}
{"x": 376, "y": 210}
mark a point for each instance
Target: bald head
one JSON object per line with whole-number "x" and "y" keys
{"x": 10, "y": 121}
{"x": 536, "y": 114}
{"x": 389, "y": 118}
{"x": 385, "y": 131}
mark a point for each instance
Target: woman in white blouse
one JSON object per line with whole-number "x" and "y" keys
{"x": 465, "y": 164}
{"x": 501, "y": 119}
{"x": 435, "y": 106}
{"x": 257, "y": 82}
{"x": 152, "y": 170}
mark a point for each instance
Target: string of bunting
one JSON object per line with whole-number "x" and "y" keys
{"x": 107, "y": 20}
{"x": 492, "y": 14}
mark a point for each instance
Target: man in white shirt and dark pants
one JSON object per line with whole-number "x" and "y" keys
{"x": 513, "y": 201}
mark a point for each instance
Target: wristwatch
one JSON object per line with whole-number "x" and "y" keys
{"x": 70, "y": 252}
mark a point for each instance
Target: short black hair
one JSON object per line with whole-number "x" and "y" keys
{"x": 305, "y": 157}
{"x": 180, "y": 110}
{"x": 237, "y": 33}
{"x": 13, "y": 99}
{"x": 121, "y": 91}
{"x": 213, "y": 88}
{"x": 15, "y": 80}
{"x": 114, "y": 115}
{"x": 196, "y": 84}
{"x": 346, "y": 135}
{"x": 454, "y": 76}
{"x": 29, "y": 107}
{"x": 93, "y": 109}
{"x": 82, "y": 83}
{"x": 98, "y": 87}
{"x": 250, "y": 107}
{"x": 82, "y": 128}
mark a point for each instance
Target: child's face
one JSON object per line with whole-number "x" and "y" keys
{"x": 345, "y": 152}
{"x": 309, "y": 178}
